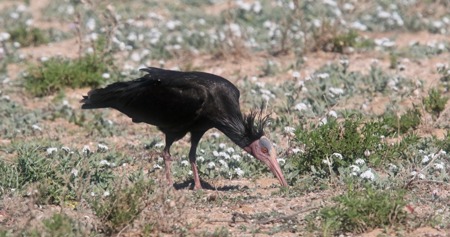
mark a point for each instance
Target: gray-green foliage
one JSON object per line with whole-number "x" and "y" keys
{"x": 358, "y": 210}
{"x": 57, "y": 73}
{"x": 57, "y": 173}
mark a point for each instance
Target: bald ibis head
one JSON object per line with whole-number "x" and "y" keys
{"x": 263, "y": 150}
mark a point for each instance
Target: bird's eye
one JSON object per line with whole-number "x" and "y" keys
{"x": 264, "y": 150}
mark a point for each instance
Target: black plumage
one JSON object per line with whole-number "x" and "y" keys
{"x": 179, "y": 103}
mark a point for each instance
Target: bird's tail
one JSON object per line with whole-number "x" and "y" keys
{"x": 103, "y": 97}
{"x": 93, "y": 100}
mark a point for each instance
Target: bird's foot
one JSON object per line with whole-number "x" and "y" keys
{"x": 198, "y": 187}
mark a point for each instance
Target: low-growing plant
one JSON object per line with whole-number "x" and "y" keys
{"x": 350, "y": 139}
{"x": 54, "y": 175}
{"x": 406, "y": 122}
{"x": 359, "y": 210}
{"x": 435, "y": 102}
{"x": 58, "y": 73}
{"x": 28, "y": 36}
{"x": 61, "y": 225}
{"x": 122, "y": 205}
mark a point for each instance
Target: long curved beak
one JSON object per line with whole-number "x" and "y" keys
{"x": 275, "y": 168}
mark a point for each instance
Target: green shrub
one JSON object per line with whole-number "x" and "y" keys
{"x": 357, "y": 211}
{"x": 435, "y": 102}
{"x": 350, "y": 138}
{"x": 56, "y": 74}
{"x": 123, "y": 205}
{"x": 409, "y": 120}
{"x": 27, "y": 36}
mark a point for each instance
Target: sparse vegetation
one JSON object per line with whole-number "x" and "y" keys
{"x": 57, "y": 73}
{"x": 357, "y": 211}
{"x": 347, "y": 86}
{"x": 27, "y": 36}
{"x": 435, "y": 102}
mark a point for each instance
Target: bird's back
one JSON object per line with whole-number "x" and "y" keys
{"x": 171, "y": 100}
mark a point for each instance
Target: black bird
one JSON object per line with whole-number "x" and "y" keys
{"x": 188, "y": 102}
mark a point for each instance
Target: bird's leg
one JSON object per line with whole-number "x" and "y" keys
{"x": 167, "y": 160}
{"x": 195, "y": 138}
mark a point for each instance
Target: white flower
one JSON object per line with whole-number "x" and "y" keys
{"x": 289, "y": 130}
{"x": 235, "y": 29}
{"x": 222, "y": 145}
{"x": 104, "y": 163}
{"x": 86, "y": 150}
{"x": 90, "y": 24}
{"x": 301, "y": 106}
{"x": 358, "y": 26}
{"x": 236, "y": 157}
{"x": 355, "y": 169}
{"x": 338, "y": 155}
{"x": 74, "y": 172}
{"x": 336, "y": 91}
{"x": 230, "y": 150}
{"x": 156, "y": 166}
{"x": 323, "y": 121}
{"x": 296, "y": 74}
{"x": 332, "y": 113}
{"x": 211, "y": 165}
{"x": 281, "y": 161}
{"x": 257, "y": 7}
{"x": 4, "y": 36}
{"x": 384, "y": 42}
{"x": 36, "y": 127}
{"x": 106, "y": 75}
{"x": 323, "y": 75}
{"x": 296, "y": 150}
{"x": 135, "y": 57}
{"x": 326, "y": 161}
{"x": 14, "y": 15}
{"x": 66, "y": 149}
{"x": 368, "y": 175}
{"x": 106, "y": 193}
{"x": 215, "y": 135}
{"x": 393, "y": 168}
{"x": 200, "y": 159}
{"x": 70, "y": 10}
{"x": 184, "y": 162}
{"x": 348, "y": 6}
{"x": 102, "y": 147}
{"x": 223, "y": 163}
{"x": 425, "y": 159}
{"x": 421, "y": 176}
{"x": 239, "y": 172}
{"x": 50, "y": 150}
{"x": 171, "y": 25}
{"x": 439, "y": 166}
{"x": 367, "y": 153}
{"x": 359, "y": 161}
{"x": 159, "y": 145}
{"x": 215, "y": 153}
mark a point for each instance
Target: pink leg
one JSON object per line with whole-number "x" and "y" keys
{"x": 167, "y": 161}
{"x": 197, "y": 184}
{"x": 195, "y": 138}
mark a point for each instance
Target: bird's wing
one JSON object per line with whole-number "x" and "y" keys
{"x": 167, "y": 99}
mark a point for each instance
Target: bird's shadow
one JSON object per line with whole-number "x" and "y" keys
{"x": 189, "y": 184}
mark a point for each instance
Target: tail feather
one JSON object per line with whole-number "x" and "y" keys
{"x": 103, "y": 97}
